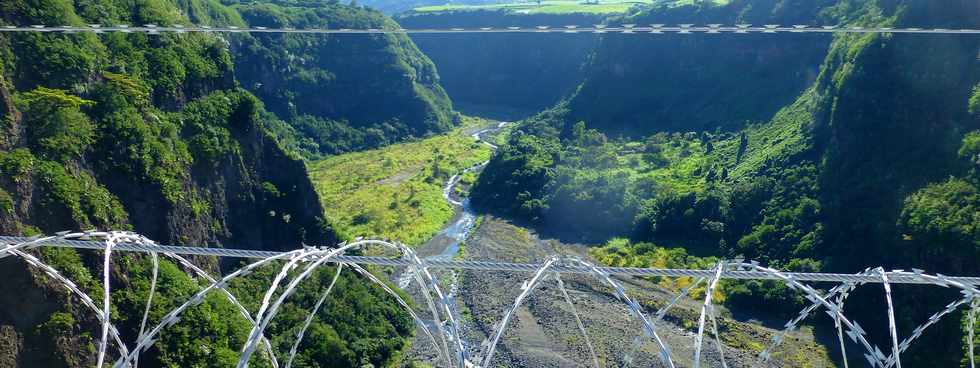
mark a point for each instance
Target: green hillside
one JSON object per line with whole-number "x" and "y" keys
{"x": 180, "y": 137}
{"x": 865, "y": 160}
{"x": 339, "y": 93}
{"x": 561, "y": 6}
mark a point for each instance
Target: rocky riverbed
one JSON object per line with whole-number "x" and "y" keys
{"x": 544, "y": 331}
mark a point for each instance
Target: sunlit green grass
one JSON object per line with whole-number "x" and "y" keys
{"x": 549, "y": 7}
{"x": 683, "y": 171}
{"x": 396, "y": 192}
{"x": 562, "y": 6}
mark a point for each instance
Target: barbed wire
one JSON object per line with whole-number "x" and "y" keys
{"x": 685, "y": 28}
{"x": 311, "y": 258}
{"x": 707, "y": 310}
{"x": 895, "y": 277}
{"x": 578, "y": 321}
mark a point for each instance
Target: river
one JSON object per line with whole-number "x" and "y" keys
{"x": 461, "y": 228}
{"x": 446, "y": 244}
{"x": 541, "y": 337}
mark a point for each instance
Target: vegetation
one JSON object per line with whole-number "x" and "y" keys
{"x": 670, "y": 186}
{"x": 71, "y": 196}
{"x": 396, "y": 192}
{"x": 813, "y": 182}
{"x": 149, "y": 151}
{"x": 153, "y": 134}
{"x": 974, "y": 104}
{"x": 56, "y": 126}
{"x": 561, "y": 6}
{"x": 318, "y": 83}
{"x": 620, "y": 252}
{"x": 358, "y": 324}
{"x": 945, "y": 218}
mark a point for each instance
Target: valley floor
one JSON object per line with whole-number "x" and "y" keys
{"x": 543, "y": 332}
{"x": 558, "y": 6}
{"x": 396, "y": 192}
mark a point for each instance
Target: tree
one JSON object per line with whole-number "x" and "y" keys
{"x": 743, "y": 145}
{"x": 55, "y": 124}
{"x": 941, "y": 223}
{"x": 974, "y": 103}
{"x": 970, "y": 150}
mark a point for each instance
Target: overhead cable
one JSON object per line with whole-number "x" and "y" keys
{"x": 894, "y": 277}
{"x": 568, "y": 29}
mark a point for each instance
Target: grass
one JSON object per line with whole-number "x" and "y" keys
{"x": 545, "y": 7}
{"x": 684, "y": 170}
{"x": 396, "y": 192}
{"x": 688, "y": 161}
{"x": 780, "y": 137}
{"x": 560, "y": 6}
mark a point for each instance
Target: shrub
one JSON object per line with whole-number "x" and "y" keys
{"x": 59, "y": 324}
{"x": 56, "y": 126}
{"x": 17, "y": 163}
{"x": 974, "y": 104}
{"x": 6, "y": 203}
{"x": 970, "y": 149}
{"x": 88, "y": 203}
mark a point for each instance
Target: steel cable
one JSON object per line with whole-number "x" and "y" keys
{"x": 568, "y": 29}
{"x": 894, "y": 277}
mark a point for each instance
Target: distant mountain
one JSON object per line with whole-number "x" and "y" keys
{"x": 339, "y": 92}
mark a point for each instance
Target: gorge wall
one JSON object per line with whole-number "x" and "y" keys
{"x": 190, "y": 139}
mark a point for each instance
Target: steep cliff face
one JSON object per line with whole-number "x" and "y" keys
{"x": 890, "y": 134}
{"x": 153, "y": 134}
{"x": 362, "y": 90}
{"x": 517, "y": 74}
{"x": 871, "y": 161}
{"x": 642, "y": 85}
{"x": 893, "y": 120}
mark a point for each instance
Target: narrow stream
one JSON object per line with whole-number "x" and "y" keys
{"x": 457, "y": 231}
{"x": 446, "y": 244}
{"x": 461, "y": 228}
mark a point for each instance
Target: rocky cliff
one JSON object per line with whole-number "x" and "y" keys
{"x": 152, "y": 133}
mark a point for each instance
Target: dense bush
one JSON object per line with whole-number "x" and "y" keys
{"x": 131, "y": 131}
{"x": 866, "y": 167}
{"x": 344, "y": 92}
{"x": 942, "y": 223}
{"x": 149, "y": 150}
{"x": 56, "y": 127}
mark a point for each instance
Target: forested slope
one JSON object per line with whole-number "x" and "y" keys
{"x": 642, "y": 85}
{"x": 339, "y": 92}
{"x": 154, "y": 134}
{"x": 869, "y": 162}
